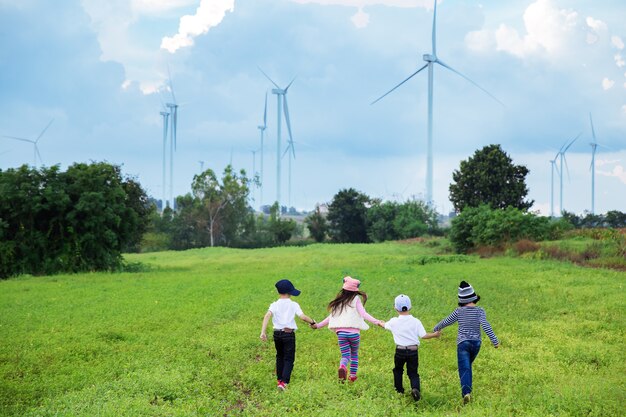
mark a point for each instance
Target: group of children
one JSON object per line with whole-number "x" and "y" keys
{"x": 348, "y": 317}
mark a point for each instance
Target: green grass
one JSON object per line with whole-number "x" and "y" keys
{"x": 180, "y": 337}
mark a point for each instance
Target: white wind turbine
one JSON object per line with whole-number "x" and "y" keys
{"x": 201, "y": 166}
{"x": 281, "y": 99}
{"x": 594, "y": 147}
{"x": 173, "y": 110}
{"x": 432, "y": 59}
{"x": 34, "y": 142}
{"x": 561, "y": 155}
{"x": 262, "y": 129}
{"x": 165, "y": 116}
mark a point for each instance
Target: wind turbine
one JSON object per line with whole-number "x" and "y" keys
{"x": 561, "y": 155}
{"x": 201, "y": 166}
{"x": 281, "y": 99}
{"x": 34, "y": 142}
{"x": 165, "y": 116}
{"x": 173, "y": 110}
{"x": 432, "y": 59}
{"x": 262, "y": 129}
{"x": 594, "y": 146}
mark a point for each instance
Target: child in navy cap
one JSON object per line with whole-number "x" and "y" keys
{"x": 283, "y": 313}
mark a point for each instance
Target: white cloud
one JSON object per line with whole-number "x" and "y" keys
{"x": 619, "y": 60}
{"x": 126, "y": 84}
{"x": 362, "y": 3}
{"x": 607, "y": 84}
{"x": 618, "y": 172}
{"x": 479, "y": 40}
{"x": 601, "y": 162}
{"x": 360, "y": 19}
{"x": 617, "y": 42}
{"x": 209, "y": 14}
{"x": 596, "y": 24}
{"x": 548, "y": 28}
{"x": 151, "y": 7}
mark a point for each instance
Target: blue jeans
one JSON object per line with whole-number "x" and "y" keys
{"x": 466, "y": 352}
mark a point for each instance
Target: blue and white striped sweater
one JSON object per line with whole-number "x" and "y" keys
{"x": 470, "y": 319}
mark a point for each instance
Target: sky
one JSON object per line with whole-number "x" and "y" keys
{"x": 100, "y": 70}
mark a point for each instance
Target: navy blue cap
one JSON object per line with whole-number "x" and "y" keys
{"x": 284, "y": 286}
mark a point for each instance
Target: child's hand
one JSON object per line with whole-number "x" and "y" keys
{"x": 313, "y": 326}
{"x": 438, "y": 333}
{"x": 381, "y": 324}
{"x": 263, "y": 337}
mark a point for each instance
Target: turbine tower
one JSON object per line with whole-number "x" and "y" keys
{"x": 561, "y": 156}
{"x": 173, "y": 110}
{"x": 432, "y": 59}
{"x": 34, "y": 142}
{"x": 554, "y": 167}
{"x": 262, "y": 129}
{"x": 165, "y": 116}
{"x": 201, "y": 166}
{"x": 281, "y": 99}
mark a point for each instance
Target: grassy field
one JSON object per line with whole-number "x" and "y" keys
{"x": 182, "y": 337}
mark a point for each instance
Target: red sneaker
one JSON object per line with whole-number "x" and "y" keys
{"x": 342, "y": 373}
{"x": 281, "y": 385}
{"x": 352, "y": 378}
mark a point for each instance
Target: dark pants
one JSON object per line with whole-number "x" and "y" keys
{"x": 466, "y": 352}
{"x": 409, "y": 357}
{"x": 285, "y": 354}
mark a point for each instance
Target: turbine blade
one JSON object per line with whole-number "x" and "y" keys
{"x": 572, "y": 142}
{"x": 289, "y": 85}
{"x": 169, "y": 77}
{"x": 566, "y": 168}
{"x": 38, "y": 154}
{"x": 43, "y": 131}
{"x": 268, "y": 77}
{"x": 265, "y": 112}
{"x": 435, "y": 29}
{"x": 405, "y": 80}
{"x": 593, "y": 132}
{"x": 21, "y": 139}
{"x": 443, "y": 64}
{"x": 285, "y": 153}
{"x": 286, "y": 111}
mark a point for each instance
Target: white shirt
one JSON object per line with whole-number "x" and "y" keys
{"x": 406, "y": 330}
{"x": 284, "y": 312}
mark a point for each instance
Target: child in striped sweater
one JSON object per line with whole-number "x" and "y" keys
{"x": 347, "y": 319}
{"x": 470, "y": 318}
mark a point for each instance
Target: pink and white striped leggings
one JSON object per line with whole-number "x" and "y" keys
{"x": 349, "y": 347}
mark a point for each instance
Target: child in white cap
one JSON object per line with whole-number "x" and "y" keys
{"x": 283, "y": 313}
{"x": 407, "y": 330}
{"x": 471, "y": 319}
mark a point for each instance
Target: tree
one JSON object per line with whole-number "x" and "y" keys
{"x": 489, "y": 177}
{"x": 78, "y": 220}
{"x": 347, "y": 217}
{"x": 223, "y": 205}
{"x": 317, "y": 225}
{"x": 280, "y": 229}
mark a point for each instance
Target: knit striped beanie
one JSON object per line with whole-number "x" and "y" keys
{"x": 466, "y": 293}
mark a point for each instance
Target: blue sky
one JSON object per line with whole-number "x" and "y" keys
{"x": 100, "y": 70}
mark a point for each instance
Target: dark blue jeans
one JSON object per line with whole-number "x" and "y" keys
{"x": 285, "y": 344}
{"x": 466, "y": 352}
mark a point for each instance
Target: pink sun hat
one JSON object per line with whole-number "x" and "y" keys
{"x": 351, "y": 284}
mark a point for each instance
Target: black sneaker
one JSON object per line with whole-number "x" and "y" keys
{"x": 416, "y": 394}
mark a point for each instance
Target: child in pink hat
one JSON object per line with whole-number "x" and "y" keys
{"x": 347, "y": 319}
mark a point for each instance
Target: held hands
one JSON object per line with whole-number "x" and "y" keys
{"x": 381, "y": 324}
{"x": 437, "y": 333}
{"x": 313, "y": 325}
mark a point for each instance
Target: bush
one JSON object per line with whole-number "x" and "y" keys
{"x": 485, "y": 227}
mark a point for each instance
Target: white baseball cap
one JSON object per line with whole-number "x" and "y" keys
{"x": 402, "y": 303}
